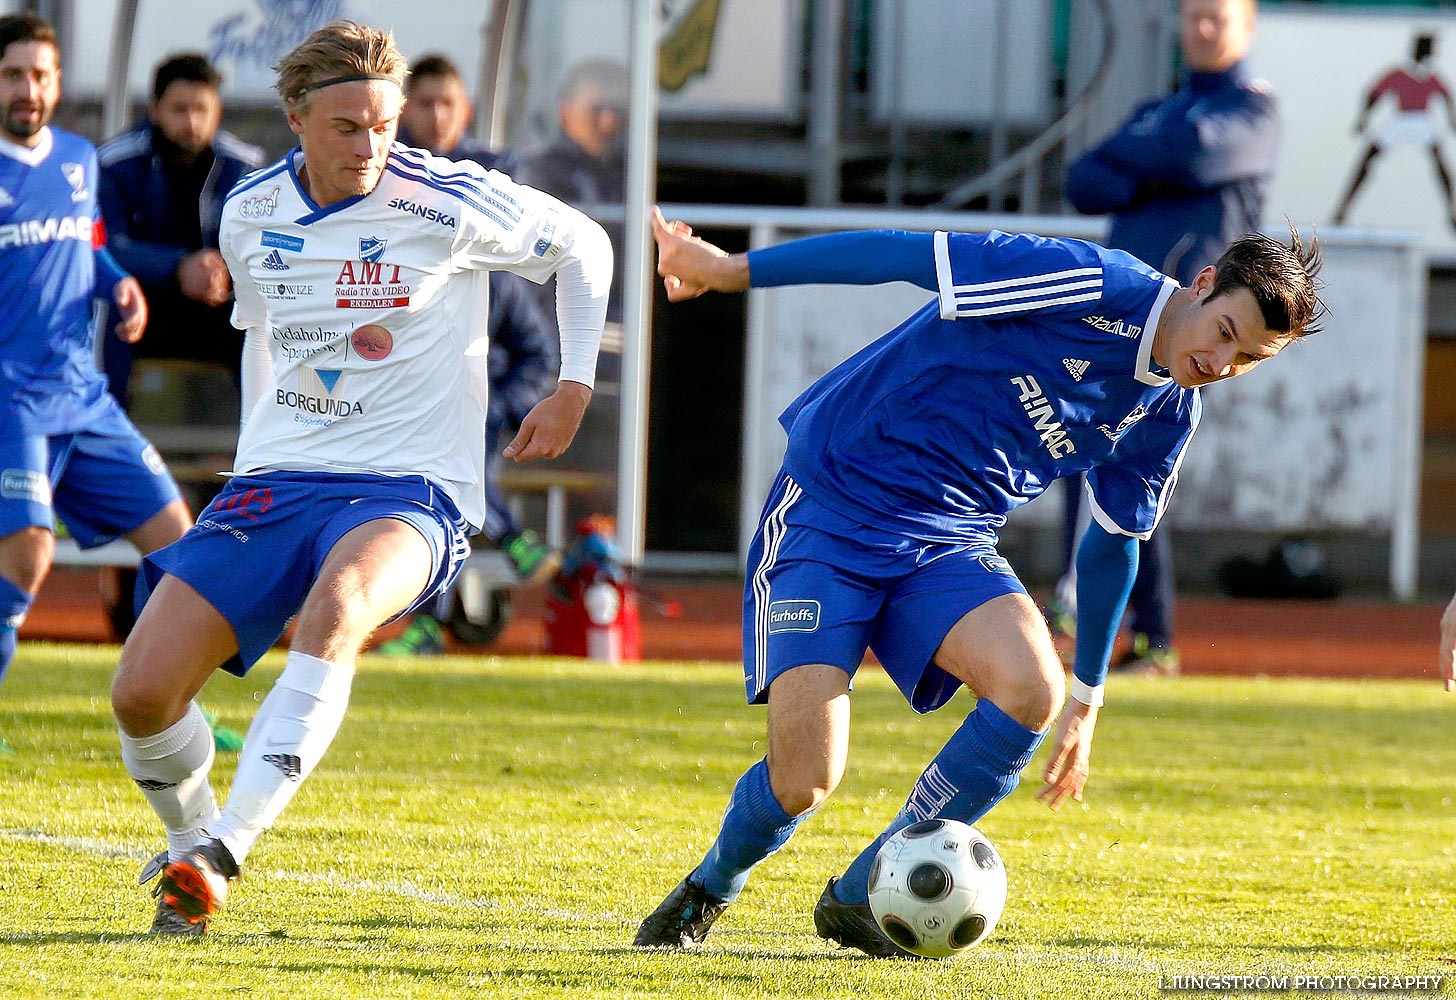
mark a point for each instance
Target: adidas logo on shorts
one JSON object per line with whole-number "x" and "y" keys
{"x": 1077, "y": 368}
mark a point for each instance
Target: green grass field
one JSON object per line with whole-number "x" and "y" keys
{"x": 498, "y": 827}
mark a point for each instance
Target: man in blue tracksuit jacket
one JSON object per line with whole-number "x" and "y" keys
{"x": 161, "y": 191}
{"x": 1183, "y": 177}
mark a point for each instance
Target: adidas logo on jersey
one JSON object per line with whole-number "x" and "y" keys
{"x": 274, "y": 262}
{"x": 1076, "y": 367}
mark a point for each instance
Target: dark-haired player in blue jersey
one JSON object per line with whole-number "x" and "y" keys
{"x": 1037, "y": 359}
{"x": 66, "y": 449}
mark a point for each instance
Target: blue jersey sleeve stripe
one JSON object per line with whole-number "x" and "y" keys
{"x": 1015, "y": 307}
{"x": 966, "y": 299}
{"x": 467, "y": 184}
{"x": 254, "y": 179}
{"x": 1031, "y": 279}
{"x": 430, "y": 183}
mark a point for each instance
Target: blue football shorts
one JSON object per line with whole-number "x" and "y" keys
{"x": 822, "y": 588}
{"x": 103, "y": 481}
{"x": 258, "y": 547}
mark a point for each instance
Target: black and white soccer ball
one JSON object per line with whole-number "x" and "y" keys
{"x": 937, "y": 887}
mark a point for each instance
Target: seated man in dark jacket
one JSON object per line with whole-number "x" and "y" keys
{"x": 161, "y": 190}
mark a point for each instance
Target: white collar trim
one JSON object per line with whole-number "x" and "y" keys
{"x": 31, "y": 156}
{"x": 1143, "y": 371}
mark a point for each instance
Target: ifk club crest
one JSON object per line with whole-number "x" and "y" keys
{"x": 371, "y": 248}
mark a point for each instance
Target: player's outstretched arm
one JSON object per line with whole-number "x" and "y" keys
{"x": 1106, "y": 566}
{"x": 132, "y": 305}
{"x": 1448, "y": 646}
{"x": 690, "y": 266}
{"x": 549, "y": 427}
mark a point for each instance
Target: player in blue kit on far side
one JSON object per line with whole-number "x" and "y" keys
{"x": 66, "y": 448}
{"x": 1038, "y": 358}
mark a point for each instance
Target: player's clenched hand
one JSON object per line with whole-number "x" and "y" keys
{"x": 1066, "y": 771}
{"x": 203, "y": 277}
{"x": 690, "y": 265}
{"x": 549, "y": 427}
{"x": 132, "y": 304}
{"x": 1448, "y": 646}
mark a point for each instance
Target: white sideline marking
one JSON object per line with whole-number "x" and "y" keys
{"x": 408, "y": 890}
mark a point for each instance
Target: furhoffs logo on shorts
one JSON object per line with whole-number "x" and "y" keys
{"x": 995, "y": 564}
{"x": 793, "y": 616}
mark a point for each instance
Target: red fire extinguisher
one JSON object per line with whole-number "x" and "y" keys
{"x": 591, "y": 607}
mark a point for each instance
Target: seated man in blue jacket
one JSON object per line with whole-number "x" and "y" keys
{"x": 1182, "y": 178}
{"x": 161, "y": 192}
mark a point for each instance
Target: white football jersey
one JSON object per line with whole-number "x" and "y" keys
{"x": 374, "y": 313}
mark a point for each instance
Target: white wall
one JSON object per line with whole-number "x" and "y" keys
{"x": 1321, "y": 65}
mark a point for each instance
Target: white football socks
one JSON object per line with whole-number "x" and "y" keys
{"x": 293, "y": 727}
{"x": 171, "y": 769}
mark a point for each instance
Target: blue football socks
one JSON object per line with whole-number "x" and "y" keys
{"x": 14, "y": 603}
{"x": 754, "y": 827}
{"x": 978, "y": 767}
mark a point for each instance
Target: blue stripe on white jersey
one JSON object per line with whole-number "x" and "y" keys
{"x": 474, "y": 203}
{"x": 465, "y": 186}
{"x": 256, "y": 177}
{"x": 469, "y": 176}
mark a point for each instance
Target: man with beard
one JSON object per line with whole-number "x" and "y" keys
{"x": 66, "y": 448}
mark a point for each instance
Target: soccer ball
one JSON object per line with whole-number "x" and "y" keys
{"x": 937, "y": 887}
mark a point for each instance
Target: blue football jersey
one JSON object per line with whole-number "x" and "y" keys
{"x": 1034, "y": 362}
{"x": 49, "y": 228}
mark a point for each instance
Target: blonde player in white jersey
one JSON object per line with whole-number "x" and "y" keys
{"x": 361, "y": 274}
